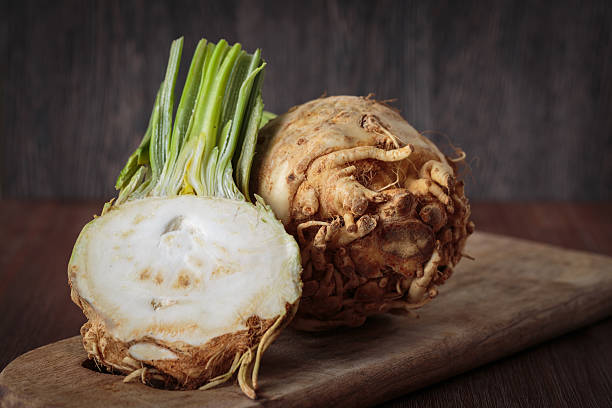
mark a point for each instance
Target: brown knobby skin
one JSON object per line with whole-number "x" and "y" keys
{"x": 379, "y": 212}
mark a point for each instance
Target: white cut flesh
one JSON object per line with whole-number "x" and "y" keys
{"x": 184, "y": 269}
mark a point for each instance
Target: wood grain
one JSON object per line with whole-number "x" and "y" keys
{"x": 515, "y": 295}
{"x": 525, "y": 89}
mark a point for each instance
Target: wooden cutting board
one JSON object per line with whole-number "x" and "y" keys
{"x": 516, "y": 294}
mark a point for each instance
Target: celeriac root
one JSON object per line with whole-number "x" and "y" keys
{"x": 213, "y": 382}
{"x": 245, "y": 364}
{"x": 420, "y": 285}
{"x": 265, "y": 342}
{"x": 390, "y": 212}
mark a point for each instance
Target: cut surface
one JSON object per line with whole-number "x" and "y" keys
{"x": 184, "y": 269}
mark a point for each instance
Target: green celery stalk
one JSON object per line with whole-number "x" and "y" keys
{"x": 160, "y": 136}
{"x": 212, "y": 133}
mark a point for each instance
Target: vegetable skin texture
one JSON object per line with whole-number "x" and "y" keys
{"x": 379, "y": 212}
{"x": 165, "y": 275}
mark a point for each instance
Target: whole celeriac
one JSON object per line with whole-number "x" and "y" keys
{"x": 184, "y": 282}
{"x": 378, "y": 211}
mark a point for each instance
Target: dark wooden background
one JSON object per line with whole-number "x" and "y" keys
{"x": 526, "y": 90}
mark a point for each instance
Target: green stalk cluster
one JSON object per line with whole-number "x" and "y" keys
{"x": 208, "y": 148}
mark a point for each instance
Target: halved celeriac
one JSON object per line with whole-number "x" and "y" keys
{"x": 183, "y": 285}
{"x": 181, "y": 278}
